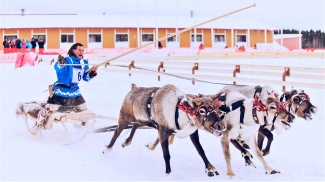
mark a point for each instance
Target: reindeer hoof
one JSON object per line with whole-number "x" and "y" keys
{"x": 265, "y": 152}
{"x": 106, "y": 149}
{"x": 150, "y": 147}
{"x": 210, "y": 174}
{"x": 272, "y": 172}
{"x": 250, "y": 163}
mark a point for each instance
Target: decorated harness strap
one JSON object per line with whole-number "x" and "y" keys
{"x": 187, "y": 108}
{"x": 149, "y": 106}
{"x": 258, "y": 89}
{"x": 177, "y": 113}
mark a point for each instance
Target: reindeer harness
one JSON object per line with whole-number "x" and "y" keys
{"x": 224, "y": 109}
{"x": 149, "y": 107}
{"x": 184, "y": 106}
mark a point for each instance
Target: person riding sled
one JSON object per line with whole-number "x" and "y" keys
{"x": 65, "y": 93}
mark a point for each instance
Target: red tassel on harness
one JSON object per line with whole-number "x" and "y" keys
{"x": 187, "y": 109}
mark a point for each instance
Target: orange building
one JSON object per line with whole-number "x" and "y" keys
{"x": 127, "y": 31}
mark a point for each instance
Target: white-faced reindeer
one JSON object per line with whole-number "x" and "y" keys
{"x": 242, "y": 116}
{"x": 169, "y": 110}
{"x": 297, "y": 103}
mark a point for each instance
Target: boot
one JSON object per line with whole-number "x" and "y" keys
{"x": 43, "y": 114}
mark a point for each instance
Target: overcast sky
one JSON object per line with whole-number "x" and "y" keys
{"x": 303, "y": 14}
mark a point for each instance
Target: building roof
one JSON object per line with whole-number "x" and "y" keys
{"x": 124, "y": 21}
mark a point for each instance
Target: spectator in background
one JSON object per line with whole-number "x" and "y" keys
{"x": 159, "y": 45}
{"x": 17, "y": 43}
{"x": 41, "y": 45}
{"x": 12, "y": 45}
{"x": 237, "y": 48}
{"x": 33, "y": 44}
{"x": 6, "y": 45}
{"x": 23, "y": 44}
{"x": 28, "y": 44}
{"x": 201, "y": 46}
{"x": 242, "y": 48}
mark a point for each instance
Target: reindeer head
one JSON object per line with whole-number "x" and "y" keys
{"x": 202, "y": 109}
{"x": 278, "y": 115}
{"x": 299, "y": 104}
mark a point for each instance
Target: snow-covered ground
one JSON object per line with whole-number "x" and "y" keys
{"x": 298, "y": 153}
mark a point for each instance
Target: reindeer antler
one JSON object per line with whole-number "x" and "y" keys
{"x": 198, "y": 99}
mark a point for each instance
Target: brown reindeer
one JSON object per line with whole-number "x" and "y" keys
{"x": 169, "y": 110}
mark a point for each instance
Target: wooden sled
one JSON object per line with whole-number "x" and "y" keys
{"x": 68, "y": 126}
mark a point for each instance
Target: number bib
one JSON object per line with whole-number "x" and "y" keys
{"x": 77, "y": 75}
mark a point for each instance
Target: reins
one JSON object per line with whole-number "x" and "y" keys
{"x": 173, "y": 75}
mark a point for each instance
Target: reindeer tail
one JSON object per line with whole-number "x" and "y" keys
{"x": 133, "y": 86}
{"x": 20, "y": 109}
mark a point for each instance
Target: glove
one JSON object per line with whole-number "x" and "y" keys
{"x": 61, "y": 60}
{"x": 92, "y": 74}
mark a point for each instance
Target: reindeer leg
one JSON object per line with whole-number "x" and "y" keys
{"x": 244, "y": 153}
{"x": 163, "y": 138}
{"x": 120, "y": 127}
{"x": 226, "y": 152}
{"x": 171, "y": 139}
{"x": 209, "y": 168}
{"x": 152, "y": 146}
{"x": 260, "y": 138}
{"x": 253, "y": 145}
{"x": 262, "y": 132}
{"x": 129, "y": 139}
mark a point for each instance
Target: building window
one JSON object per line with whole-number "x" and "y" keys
{"x": 241, "y": 38}
{"x": 198, "y": 37}
{"x": 121, "y": 37}
{"x": 171, "y": 39}
{"x": 95, "y": 38}
{"x": 66, "y": 38}
{"x": 219, "y": 38}
{"x": 36, "y": 37}
{"x": 10, "y": 37}
{"x": 147, "y": 37}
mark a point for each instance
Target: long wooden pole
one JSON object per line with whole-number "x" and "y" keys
{"x": 173, "y": 34}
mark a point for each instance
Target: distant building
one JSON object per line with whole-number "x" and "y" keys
{"x": 290, "y": 41}
{"x": 127, "y": 31}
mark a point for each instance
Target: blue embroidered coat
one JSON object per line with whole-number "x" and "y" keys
{"x": 69, "y": 77}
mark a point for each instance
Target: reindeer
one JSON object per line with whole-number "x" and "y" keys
{"x": 169, "y": 110}
{"x": 242, "y": 116}
{"x": 298, "y": 103}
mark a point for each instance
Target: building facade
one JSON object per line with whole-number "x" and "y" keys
{"x": 128, "y": 34}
